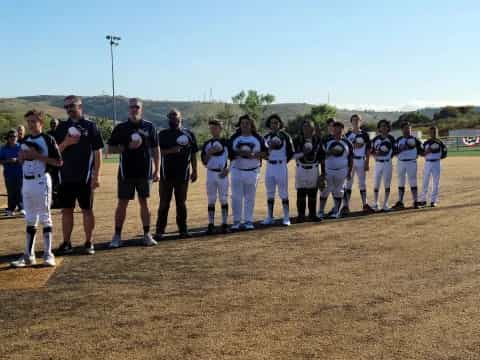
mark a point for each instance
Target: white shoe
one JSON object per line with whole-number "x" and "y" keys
{"x": 148, "y": 240}
{"x": 24, "y": 261}
{"x": 286, "y": 222}
{"x": 321, "y": 215}
{"x": 386, "y": 208}
{"x": 235, "y": 227}
{"x": 116, "y": 242}
{"x": 22, "y": 212}
{"x": 249, "y": 226}
{"x": 49, "y": 260}
{"x": 374, "y": 207}
{"x": 268, "y": 221}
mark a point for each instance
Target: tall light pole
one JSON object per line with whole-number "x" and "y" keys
{"x": 114, "y": 41}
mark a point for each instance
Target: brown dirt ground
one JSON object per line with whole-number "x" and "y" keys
{"x": 399, "y": 286}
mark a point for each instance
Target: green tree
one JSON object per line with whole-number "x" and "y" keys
{"x": 414, "y": 117}
{"x": 104, "y": 125}
{"x": 318, "y": 114}
{"x": 253, "y": 103}
{"x": 227, "y": 116}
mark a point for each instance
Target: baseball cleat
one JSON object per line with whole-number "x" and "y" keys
{"x": 398, "y": 206}
{"x": 267, "y": 221}
{"x": 22, "y": 212}
{"x": 24, "y": 261}
{"x": 433, "y": 204}
{"x": 9, "y": 213}
{"x": 367, "y": 209}
{"x": 321, "y": 215}
{"x": 249, "y": 225}
{"x": 224, "y": 228}
{"x": 210, "y": 229}
{"x": 148, "y": 240}
{"x": 345, "y": 211}
{"x": 235, "y": 227}
{"x": 184, "y": 234}
{"x": 300, "y": 219}
{"x": 49, "y": 260}
{"x": 158, "y": 236}
{"x": 65, "y": 248}
{"x": 88, "y": 248}
{"x": 417, "y": 205}
{"x": 375, "y": 207}
{"x": 116, "y": 242}
{"x": 386, "y": 208}
{"x": 286, "y": 222}
{"x": 314, "y": 218}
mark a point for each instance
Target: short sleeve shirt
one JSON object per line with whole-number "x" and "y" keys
{"x": 135, "y": 163}
{"x": 176, "y": 167}
{"x": 11, "y": 152}
{"x": 78, "y": 159}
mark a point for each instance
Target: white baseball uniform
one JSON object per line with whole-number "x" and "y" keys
{"x": 216, "y": 183}
{"x": 244, "y": 175}
{"x": 361, "y": 148}
{"x": 336, "y": 169}
{"x": 280, "y": 151}
{"x": 383, "y": 151}
{"x": 432, "y": 168}
{"x": 407, "y": 149}
{"x": 37, "y": 192}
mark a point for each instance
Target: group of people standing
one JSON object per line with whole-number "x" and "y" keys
{"x": 329, "y": 164}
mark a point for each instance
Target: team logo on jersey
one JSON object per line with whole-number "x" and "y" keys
{"x": 183, "y": 140}
{"x": 411, "y": 142}
{"x": 336, "y": 149}
{"x": 217, "y": 147}
{"x": 245, "y": 148}
{"x": 383, "y": 148}
{"x": 275, "y": 142}
{"x": 434, "y": 147}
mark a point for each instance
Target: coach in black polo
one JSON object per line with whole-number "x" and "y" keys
{"x": 178, "y": 148}
{"x": 81, "y": 145}
{"x": 136, "y": 142}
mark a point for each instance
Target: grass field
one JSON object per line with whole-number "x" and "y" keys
{"x": 399, "y": 286}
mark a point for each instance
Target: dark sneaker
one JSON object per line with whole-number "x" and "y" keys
{"x": 398, "y": 206}
{"x": 300, "y": 219}
{"x": 158, "y": 236}
{"x": 88, "y": 248}
{"x": 65, "y": 248}
{"x": 314, "y": 218}
{"x": 433, "y": 205}
{"x": 184, "y": 234}
{"x": 210, "y": 229}
{"x": 417, "y": 205}
{"x": 224, "y": 228}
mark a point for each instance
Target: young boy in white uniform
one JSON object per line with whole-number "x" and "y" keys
{"x": 38, "y": 152}
{"x": 214, "y": 156}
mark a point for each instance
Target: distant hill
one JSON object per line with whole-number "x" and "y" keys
{"x": 155, "y": 111}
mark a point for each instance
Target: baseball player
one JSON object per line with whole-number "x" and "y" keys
{"x": 434, "y": 151}
{"x": 279, "y": 153}
{"x": 308, "y": 155}
{"x": 361, "y": 163}
{"x": 338, "y": 168}
{"x": 408, "y": 148}
{"x": 246, "y": 149}
{"x": 38, "y": 152}
{"x": 383, "y": 147}
{"x": 214, "y": 156}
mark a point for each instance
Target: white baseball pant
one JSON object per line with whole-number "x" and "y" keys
{"x": 407, "y": 169}
{"x": 276, "y": 175}
{"x": 432, "y": 170}
{"x": 244, "y": 188}
{"x": 216, "y": 185}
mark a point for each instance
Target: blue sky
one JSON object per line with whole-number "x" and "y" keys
{"x": 366, "y": 54}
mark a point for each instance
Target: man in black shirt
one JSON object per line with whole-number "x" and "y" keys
{"x": 81, "y": 145}
{"x": 178, "y": 148}
{"x": 136, "y": 141}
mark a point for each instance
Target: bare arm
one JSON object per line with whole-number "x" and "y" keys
{"x": 96, "y": 170}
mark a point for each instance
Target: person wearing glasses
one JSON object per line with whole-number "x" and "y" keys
{"x": 136, "y": 141}
{"x": 81, "y": 146}
{"x": 12, "y": 172}
{"x": 178, "y": 149}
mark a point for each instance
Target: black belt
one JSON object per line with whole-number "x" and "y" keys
{"x": 359, "y": 157}
{"x": 216, "y": 170}
{"x": 31, "y": 177}
{"x": 274, "y": 162}
{"x": 433, "y": 160}
{"x": 408, "y": 160}
{"x": 252, "y": 169}
{"x": 382, "y": 161}
{"x": 307, "y": 167}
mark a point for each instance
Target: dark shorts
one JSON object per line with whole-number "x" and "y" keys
{"x": 70, "y": 193}
{"x": 126, "y": 188}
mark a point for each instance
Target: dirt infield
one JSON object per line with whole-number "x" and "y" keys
{"x": 403, "y": 285}
{"x": 27, "y": 278}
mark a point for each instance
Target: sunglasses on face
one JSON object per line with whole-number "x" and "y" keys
{"x": 134, "y": 107}
{"x": 69, "y": 106}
